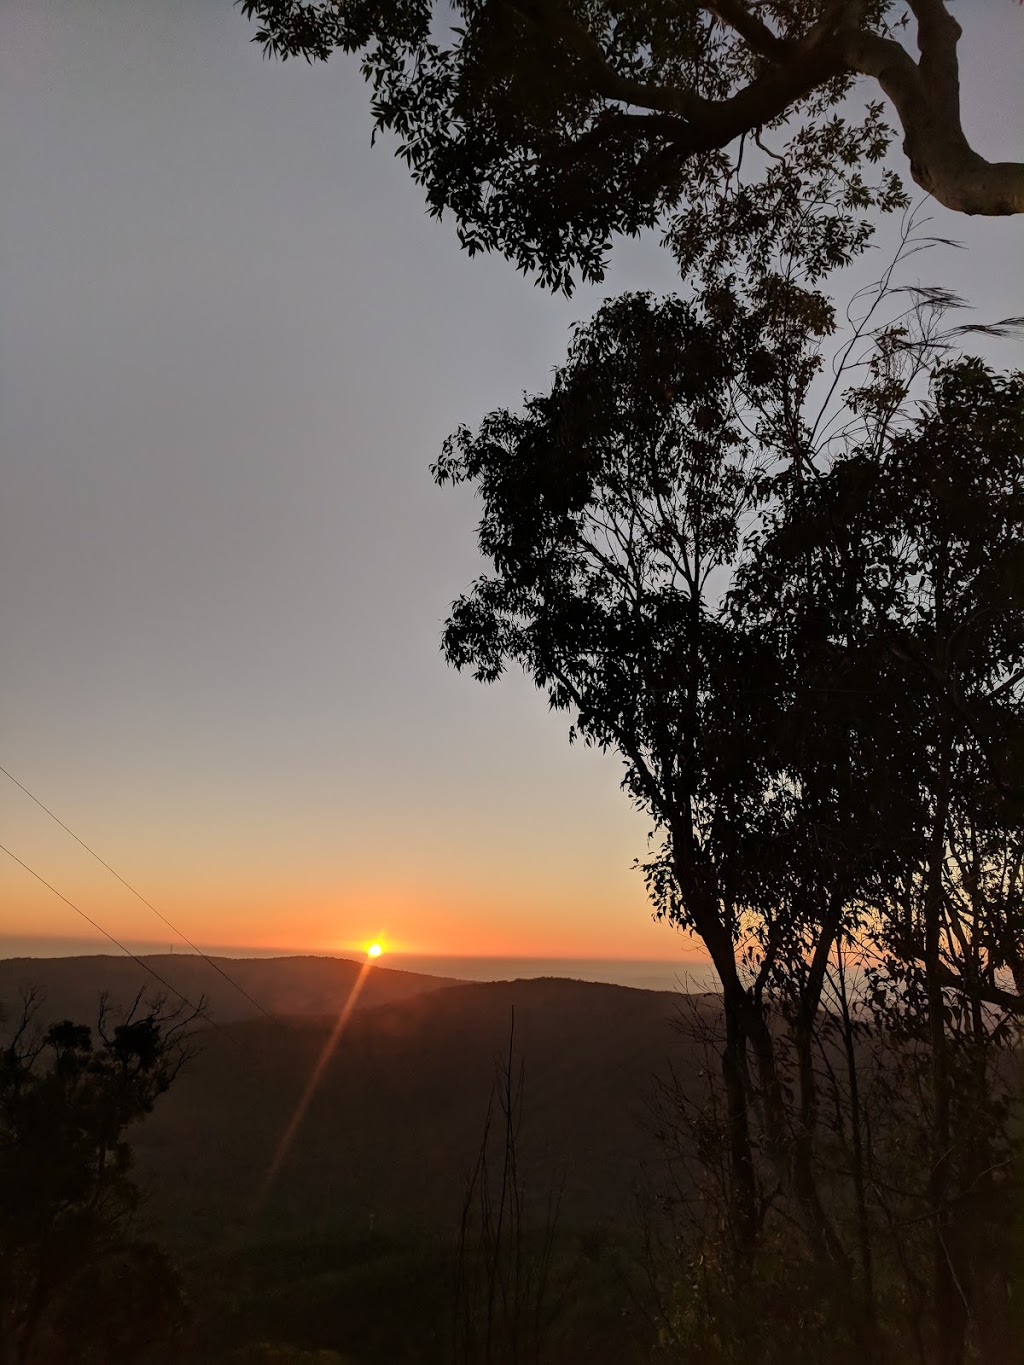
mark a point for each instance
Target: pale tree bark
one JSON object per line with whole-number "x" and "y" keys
{"x": 926, "y": 97}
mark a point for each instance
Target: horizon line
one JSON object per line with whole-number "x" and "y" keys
{"x": 150, "y": 948}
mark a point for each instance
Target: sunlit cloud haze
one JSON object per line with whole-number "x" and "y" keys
{"x": 232, "y": 343}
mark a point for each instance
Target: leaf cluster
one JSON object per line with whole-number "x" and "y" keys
{"x": 68, "y": 1097}
{"x": 549, "y": 129}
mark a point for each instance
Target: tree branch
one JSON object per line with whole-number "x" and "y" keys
{"x": 926, "y": 97}
{"x": 924, "y": 94}
{"x": 558, "y": 24}
{"x": 992, "y": 995}
{"x": 754, "y": 32}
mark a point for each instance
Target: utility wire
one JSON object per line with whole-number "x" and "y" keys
{"x": 197, "y": 1009}
{"x": 138, "y": 894}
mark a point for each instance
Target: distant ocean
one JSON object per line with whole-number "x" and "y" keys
{"x": 671, "y": 975}
{"x": 647, "y": 975}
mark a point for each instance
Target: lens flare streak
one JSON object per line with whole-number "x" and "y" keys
{"x": 314, "y": 1080}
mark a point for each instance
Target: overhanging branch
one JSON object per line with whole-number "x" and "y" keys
{"x": 755, "y": 33}
{"x": 925, "y": 94}
{"x": 926, "y": 97}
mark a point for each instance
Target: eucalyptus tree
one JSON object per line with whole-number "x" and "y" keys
{"x": 615, "y": 512}
{"x": 894, "y": 569}
{"x": 942, "y": 526}
{"x": 548, "y": 127}
{"x": 809, "y": 655}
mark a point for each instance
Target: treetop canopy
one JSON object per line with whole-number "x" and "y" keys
{"x": 549, "y": 127}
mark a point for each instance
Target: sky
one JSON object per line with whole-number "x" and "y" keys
{"x": 231, "y": 344}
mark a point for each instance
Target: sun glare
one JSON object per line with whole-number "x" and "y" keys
{"x": 374, "y": 950}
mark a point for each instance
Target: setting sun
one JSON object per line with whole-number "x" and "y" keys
{"x": 374, "y": 950}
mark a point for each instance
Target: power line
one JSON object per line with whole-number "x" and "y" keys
{"x": 197, "y": 1009}
{"x": 138, "y": 894}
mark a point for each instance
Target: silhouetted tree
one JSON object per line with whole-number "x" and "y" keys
{"x": 76, "y": 1284}
{"x": 900, "y": 567}
{"x": 546, "y": 127}
{"x": 808, "y": 651}
{"x": 614, "y": 510}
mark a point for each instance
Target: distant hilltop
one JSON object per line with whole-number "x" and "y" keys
{"x": 70, "y": 987}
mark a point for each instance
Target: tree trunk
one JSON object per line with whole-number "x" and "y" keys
{"x": 743, "y": 1214}
{"x": 949, "y": 1310}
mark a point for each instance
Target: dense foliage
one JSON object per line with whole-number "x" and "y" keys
{"x": 808, "y": 650}
{"x": 549, "y": 127}
{"x": 77, "y": 1284}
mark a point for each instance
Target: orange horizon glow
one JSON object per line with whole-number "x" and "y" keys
{"x": 456, "y": 935}
{"x": 71, "y": 944}
{"x": 71, "y": 937}
{"x": 443, "y": 916}
{"x": 296, "y": 902}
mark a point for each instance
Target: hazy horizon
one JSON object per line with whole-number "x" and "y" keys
{"x": 679, "y": 972}
{"x": 70, "y": 946}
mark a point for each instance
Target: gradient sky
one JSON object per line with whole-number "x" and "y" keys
{"x": 231, "y": 344}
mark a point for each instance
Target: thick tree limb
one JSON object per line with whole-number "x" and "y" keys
{"x": 992, "y": 995}
{"x": 924, "y": 93}
{"x": 687, "y": 121}
{"x": 926, "y": 97}
{"x": 756, "y": 34}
